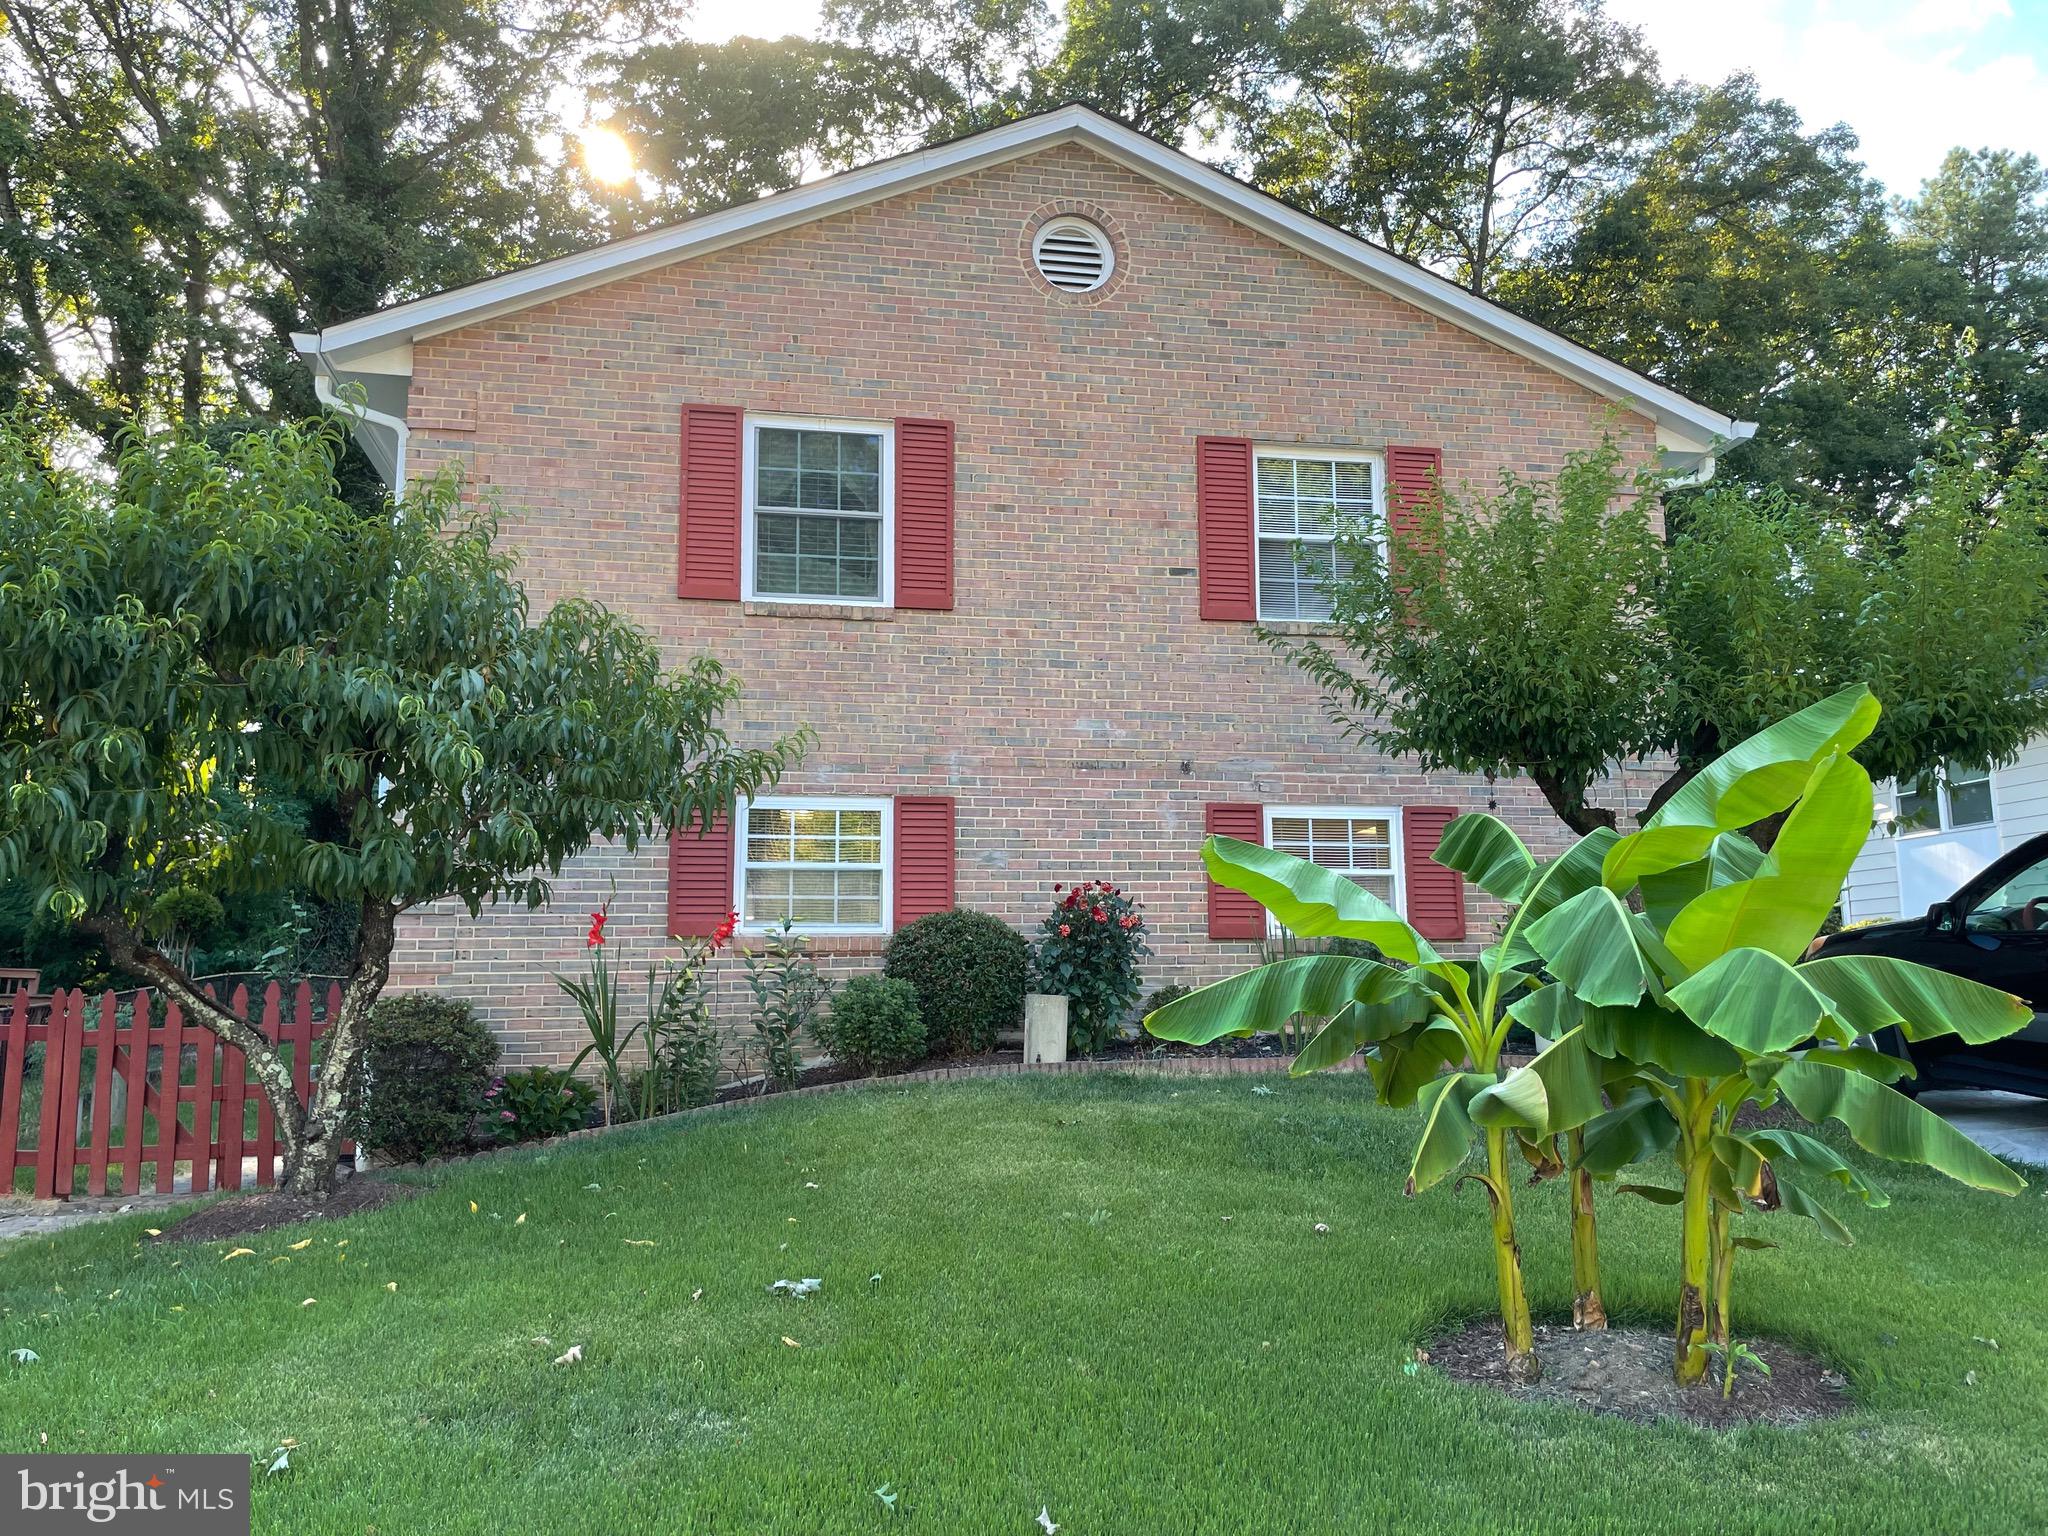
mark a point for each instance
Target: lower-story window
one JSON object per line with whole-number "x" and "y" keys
{"x": 1353, "y": 841}
{"x": 821, "y": 863}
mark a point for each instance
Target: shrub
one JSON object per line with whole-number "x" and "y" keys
{"x": 970, "y": 971}
{"x": 1088, "y": 951}
{"x": 875, "y": 1023}
{"x": 788, "y": 993}
{"x": 537, "y": 1102}
{"x": 420, "y": 1077}
{"x": 1172, "y": 992}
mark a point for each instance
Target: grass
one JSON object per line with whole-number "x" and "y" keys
{"x": 1063, "y": 1318}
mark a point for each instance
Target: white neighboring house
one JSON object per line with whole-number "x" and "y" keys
{"x": 1924, "y": 846}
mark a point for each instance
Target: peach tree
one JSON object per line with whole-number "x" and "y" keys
{"x": 201, "y": 644}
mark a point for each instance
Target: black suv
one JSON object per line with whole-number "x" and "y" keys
{"x": 1993, "y": 930}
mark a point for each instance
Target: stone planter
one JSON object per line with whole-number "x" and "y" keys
{"x": 1045, "y": 1027}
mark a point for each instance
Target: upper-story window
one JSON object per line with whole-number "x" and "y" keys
{"x": 1305, "y": 499}
{"x": 819, "y": 502}
{"x": 1958, "y": 797}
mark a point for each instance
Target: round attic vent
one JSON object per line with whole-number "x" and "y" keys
{"x": 1073, "y": 255}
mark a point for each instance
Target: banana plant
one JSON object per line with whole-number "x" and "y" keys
{"x": 1414, "y": 1018}
{"x": 1691, "y": 1007}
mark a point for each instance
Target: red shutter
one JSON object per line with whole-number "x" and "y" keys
{"x": 699, "y": 879}
{"x": 1414, "y": 477}
{"x": 924, "y": 857}
{"x": 1232, "y": 914}
{"x": 1435, "y": 895}
{"x": 708, "y": 536}
{"x": 1226, "y": 550}
{"x": 924, "y": 513}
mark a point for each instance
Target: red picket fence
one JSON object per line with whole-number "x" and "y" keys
{"x": 121, "y": 1084}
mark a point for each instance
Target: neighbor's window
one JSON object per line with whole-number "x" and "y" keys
{"x": 1357, "y": 844}
{"x": 817, "y": 505}
{"x": 819, "y": 863}
{"x": 1303, "y": 502}
{"x": 1961, "y": 798}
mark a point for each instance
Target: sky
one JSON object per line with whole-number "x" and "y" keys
{"x": 1914, "y": 78}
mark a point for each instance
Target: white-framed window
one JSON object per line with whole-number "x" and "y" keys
{"x": 1303, "y": 498}
{"x": 1361, "y": 843}
{"x": 1958, "y": 797}
{"x": 823, "y": 862}
{"x": 819, "y": 513}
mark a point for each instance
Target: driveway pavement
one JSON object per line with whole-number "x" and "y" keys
{"x": 2008, "y": 1125}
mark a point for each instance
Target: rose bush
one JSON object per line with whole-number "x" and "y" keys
{"x": 1088, "y": 951}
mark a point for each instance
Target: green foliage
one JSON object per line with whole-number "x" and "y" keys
{"x": 1545, "y": 630}
{"x": 789, "y": 995}
{"x": 1512, "y": 633}
{"x": 1172, "y": 992}
{"x": 423, "y": 1072}
{"x": 970, "y": 972}
{"x": 1662, "y": 1021}
{"x": 1088, "y": 951}
{"x": 210, "y": 641}
{"x": 874, "y": 1024}
{"x": 537, "y": 1102}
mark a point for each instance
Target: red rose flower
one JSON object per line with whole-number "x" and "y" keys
{"x": 1065, "y": 931}
{"x": 1099, "y": 915}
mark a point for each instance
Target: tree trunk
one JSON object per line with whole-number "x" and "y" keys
{"x": 309, "y": 1166}
{"x": 1588, "y": 1310}
{"x": 1570, "y": 806}
{"x": 1517, "y": 1335}
{"x": 309, "y": 1136}
{"x": 1694, "y": 1256}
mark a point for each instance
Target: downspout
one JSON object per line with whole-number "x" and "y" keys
{"x": 324, "y": 380}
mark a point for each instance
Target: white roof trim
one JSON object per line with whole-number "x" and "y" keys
{"x": 352, "y": 343}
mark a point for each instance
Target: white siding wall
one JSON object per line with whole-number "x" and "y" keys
{"x": 2019, "y": 797}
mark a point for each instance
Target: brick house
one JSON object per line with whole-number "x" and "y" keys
{"x": 981, "y": 461}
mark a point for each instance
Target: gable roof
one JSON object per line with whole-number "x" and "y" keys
{"x": 374, "y": 351}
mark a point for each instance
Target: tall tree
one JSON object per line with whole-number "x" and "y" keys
{"x": 197, "y": 647}
{"x": 1169, "y": 67}
{"x": 1453, "y": 132}
{"x": 1724, "y": 267}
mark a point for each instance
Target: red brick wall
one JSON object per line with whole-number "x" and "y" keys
{"x": 1072, "y": 701}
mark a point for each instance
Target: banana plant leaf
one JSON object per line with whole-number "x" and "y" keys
{"x": 1558, "y": 1091}
{"x": 1781, "y": 911}
{"x": 1812, "y": 1159}
{"x": 1656, "y": 1194}
{"x": 1756, "y": 778}
{"x": 1884, "y": 1121}
{"x": 1590, "y": 946}
{"x": 1447, "y": 1128}
{"x": 1861, "y": 1058}
{"x": 1489, "y": 853}
{"x": 1376, "y": 999}
{"x": 1659, "y": 1037}
{"x": 1313, "y": 902}
{"x": 1576, "y": 869}
{"x": 1729, "y": 857}
{"x": 1754, "y": 1001}
{"x": 1361, "y": 1022}
{"x": 1407, "y": 1063}
{"x": 1874, "y": 992}
{"x": 1795, "y": 1201}
{"x": 1637, "y": 1128}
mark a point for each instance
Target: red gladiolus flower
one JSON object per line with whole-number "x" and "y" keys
{"x": 597, "y": 922}
{"x": 724, "y": 930}
{"x": 1066, "y": 932}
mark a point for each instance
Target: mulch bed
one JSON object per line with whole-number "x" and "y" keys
{"x": 1138, "y": 1049}
{"x": 1627, "y": 1372}
{"x": 265, "y": 1210}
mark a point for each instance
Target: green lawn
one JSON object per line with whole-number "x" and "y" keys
{"x": 1062, "y": 1318}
